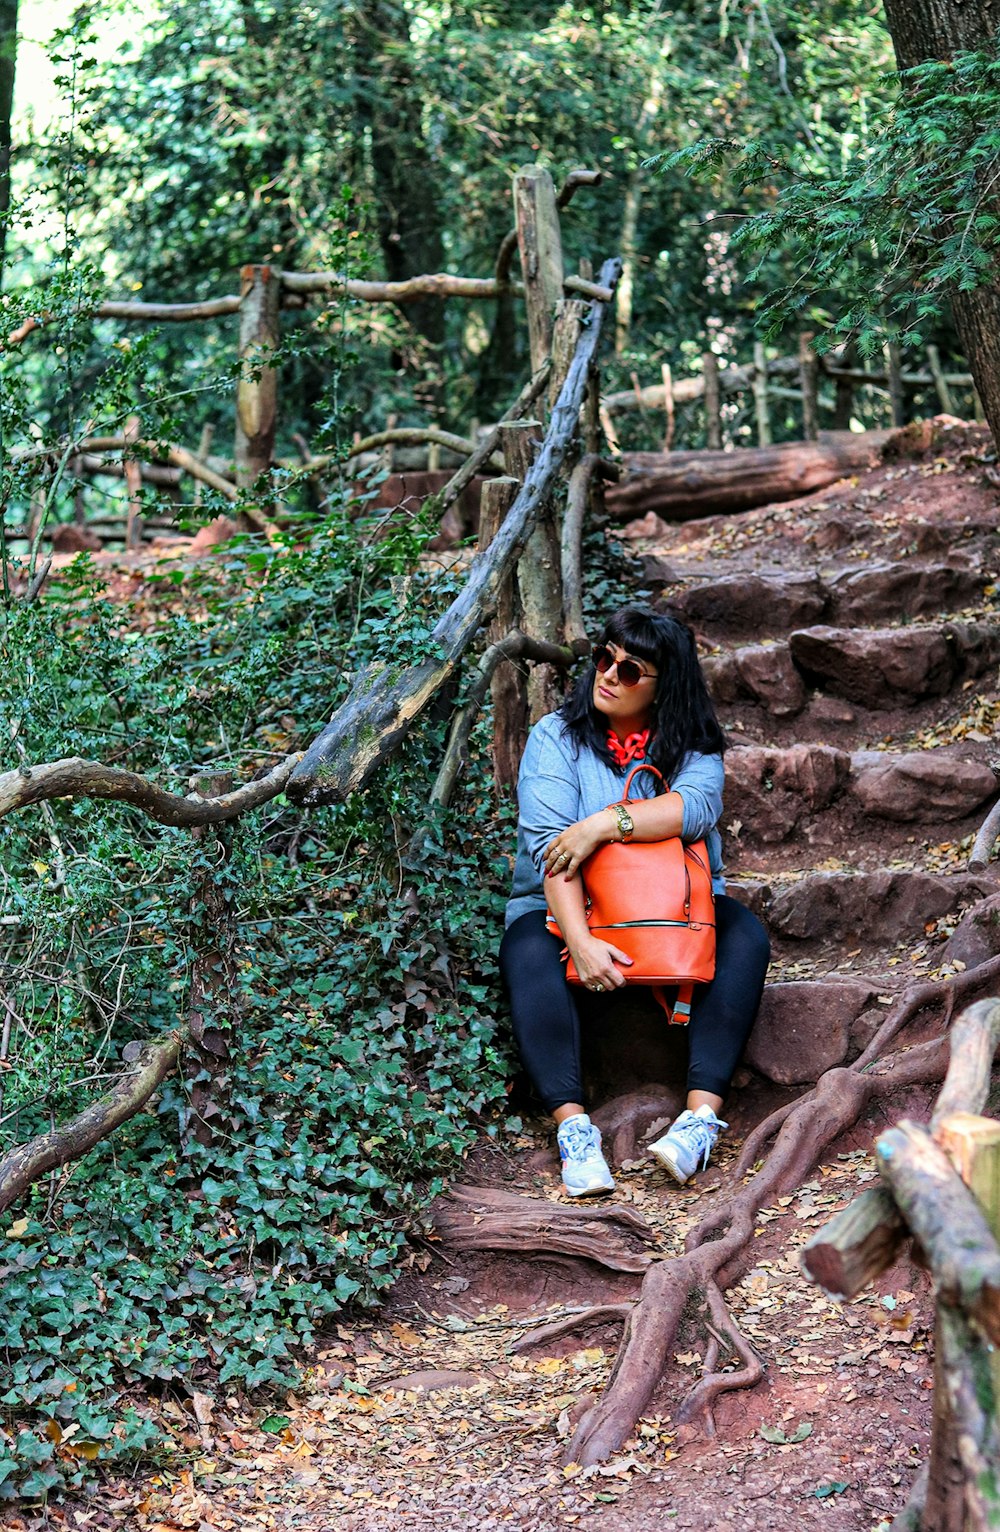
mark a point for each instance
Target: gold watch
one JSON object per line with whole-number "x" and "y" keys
{"x": 626, "y": 824}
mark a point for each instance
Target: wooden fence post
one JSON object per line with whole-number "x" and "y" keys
{"x": 133, "y": 479}
{"x": 940, "y": 382}
{"x": 808, "y": 374}
{"x": 257, "y": 384}
{"x": 554, "y": 325}
{"x": 540, "y": 244}
{"x": 508, "y": 685}
{"x": 668, "y": 408}
{"x": 713, "y": 406}
{"x": 760, "y": 394}
{"x": 894, "y": 369}
{"x": 972, "y": 1144}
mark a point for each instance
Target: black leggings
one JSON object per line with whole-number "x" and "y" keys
{"x": 544, "y": 1008}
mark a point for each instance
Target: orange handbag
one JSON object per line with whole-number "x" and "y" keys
{"x": 653, "y": 900}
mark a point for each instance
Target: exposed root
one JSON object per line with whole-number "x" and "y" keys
{"x": 918, "y": 997}
{"x": 483, "y": 1218}
{"x": 598, "y": 1314}
{"x": 805, "y": 1131}
{"x": 713, "y": 1383}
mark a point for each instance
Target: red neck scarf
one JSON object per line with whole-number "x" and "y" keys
{"x": 633, "y": 749}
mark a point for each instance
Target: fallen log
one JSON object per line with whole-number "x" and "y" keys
{"x": 682, "y": 485}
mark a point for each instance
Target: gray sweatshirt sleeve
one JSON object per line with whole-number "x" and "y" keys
{"x": 548, "y": 791}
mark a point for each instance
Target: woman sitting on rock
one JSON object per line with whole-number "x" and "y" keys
{"x": 643, "y": 699}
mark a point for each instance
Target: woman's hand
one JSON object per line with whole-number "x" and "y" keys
{"x": 574, "y": 844}
{"x": 595, "y": 963}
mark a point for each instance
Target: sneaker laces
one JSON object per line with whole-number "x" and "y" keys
{"x": 699, "y": 1134}
{"x": 578, "y": 1141}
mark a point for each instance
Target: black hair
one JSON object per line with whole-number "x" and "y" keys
{"x": 683, "y": 713}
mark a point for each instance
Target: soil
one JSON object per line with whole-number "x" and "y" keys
{"x": 426, "y": 1417}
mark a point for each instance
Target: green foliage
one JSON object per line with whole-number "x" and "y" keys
{"x": 913, "y": 216}
{"x": 363, "y": 1031}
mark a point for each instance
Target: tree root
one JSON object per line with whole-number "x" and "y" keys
{"x": 918, "y": 997}
{"x": 716, "y": 1251}
{"x": 483, "y": 1218}
{"x": 598, "y": 1314}
{"x": 127, "y": 1096}
{"x": 701, "y": 1398}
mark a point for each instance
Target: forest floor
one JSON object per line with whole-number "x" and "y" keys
{"x": 424, "y": 1415}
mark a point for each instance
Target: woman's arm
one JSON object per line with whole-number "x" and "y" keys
{"x": 594, "y": 959}
{"x": 654, "y": 819}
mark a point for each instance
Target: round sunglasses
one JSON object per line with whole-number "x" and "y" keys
{"x": 630, "y": 672}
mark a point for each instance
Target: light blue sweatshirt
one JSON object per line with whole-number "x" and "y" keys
{"x": 561, "y": 781}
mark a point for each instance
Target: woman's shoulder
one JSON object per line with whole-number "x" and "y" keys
{"x": 549, "y": 738}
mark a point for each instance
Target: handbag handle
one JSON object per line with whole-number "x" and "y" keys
{"x": 641, "y": 767}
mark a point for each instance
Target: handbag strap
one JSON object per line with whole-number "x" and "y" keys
{"x": 641, "y": 767}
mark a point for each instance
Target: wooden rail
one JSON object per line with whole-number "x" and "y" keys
{"x": 941, "y": 1188}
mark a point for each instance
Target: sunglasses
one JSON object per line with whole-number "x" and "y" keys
{"x": 630, "y": 672}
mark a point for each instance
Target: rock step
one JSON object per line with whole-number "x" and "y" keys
{"x": 877, "y": 668}
{"x": 764, "y": 605}
{"x": 776, "y": 793}
{"x": 808, "y": 1026}
{"x": 866, "y": 909}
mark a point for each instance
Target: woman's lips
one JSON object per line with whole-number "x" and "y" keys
{"x": 603, "y": 692}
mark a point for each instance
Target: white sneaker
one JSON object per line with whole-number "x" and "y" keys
{"x": 585, "y": 1171}
{"x": 687, "y": 1144}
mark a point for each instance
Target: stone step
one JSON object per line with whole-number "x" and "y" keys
{"x": 875, "y": 668}
{"x": 767, "y": 605}
{"x": 865, "y": 909}
{"x": 808, "y": 1026}
{"x": 775, "y": 794}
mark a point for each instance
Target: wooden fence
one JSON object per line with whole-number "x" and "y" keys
{"x": 266, "y": 291}
{"x": 941, "y": 1188}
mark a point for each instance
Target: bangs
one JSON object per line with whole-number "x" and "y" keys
{"x": 631, "y": 629}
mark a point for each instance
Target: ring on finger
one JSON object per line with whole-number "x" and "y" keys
{"x": 598, "y": 988}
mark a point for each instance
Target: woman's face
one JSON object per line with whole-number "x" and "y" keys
{"x": 627, "y": 708}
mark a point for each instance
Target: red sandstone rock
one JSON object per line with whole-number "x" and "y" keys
{"x": 881, "y": 591}
{"x": 73, "y": 539}
{"x": 750, "y": 603}
{"x": 770, "y": 791}
{"x": 868, "y": 907}
{"x": 920, "y": 785}
{"x": 877, "y": 667}
{"x": 803, "y": 1029}
{"x": 213, "y": 534}
{"x": 977, "y": 935}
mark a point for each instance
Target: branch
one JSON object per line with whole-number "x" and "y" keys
{"x": 383, "y": 707}
{"x": 129, "y": 1094}
{"x": 973, "y": 1039}
{"x": 400, "y": 436}
{"x": 515, "y": 645}
{"x": 74, "y": 777}
{"x": 945, "y": 1217}
{"x": 438, "y": 284}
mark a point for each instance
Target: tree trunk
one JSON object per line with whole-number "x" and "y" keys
{"x": 8, "y": 54}
{"x": 938, "y": 29}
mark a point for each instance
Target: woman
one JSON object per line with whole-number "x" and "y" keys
{"x": 643, "y": 699}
